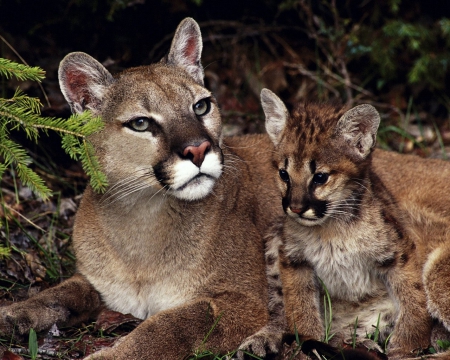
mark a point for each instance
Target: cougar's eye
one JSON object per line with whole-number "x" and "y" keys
{"x": 284, "y": 175}
{"x": 202, "y": 107}
{"x": 320, "y": 178}
{"x": 139, "y": 124}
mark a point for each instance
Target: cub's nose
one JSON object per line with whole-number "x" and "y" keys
{"x": 197, "y": 153}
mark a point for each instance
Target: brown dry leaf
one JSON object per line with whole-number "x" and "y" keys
{"x": 8, "y": 355}
{"x": 17, "y": 269}
{"x": 89, "y": 344}
{"x": 35, "y": 265}
{"x": 109, "y": 320}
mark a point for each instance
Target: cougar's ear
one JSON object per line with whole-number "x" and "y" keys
{"x": 276, "y": 115}
{"x": 83, "y": 81}
{"x": 358, "y": 127}
{"x": 186, "y": 49}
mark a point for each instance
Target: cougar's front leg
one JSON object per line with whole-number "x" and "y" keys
{"x": 217, "y": 324}
{"x": 269, "y": 338}
{"x": 413, "y": 325}
{"x": 73, "y": 301}
{"x": 301, "y": 298}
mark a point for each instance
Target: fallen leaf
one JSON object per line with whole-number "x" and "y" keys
{"x": 109, "y": 320}
{"x": 8, "y": 355}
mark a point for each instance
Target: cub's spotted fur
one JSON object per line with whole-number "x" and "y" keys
{"x": 373, "y": 226}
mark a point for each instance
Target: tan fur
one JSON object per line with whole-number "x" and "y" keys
{"x": 179, "y": 249}
{"x": 375, "y": 231}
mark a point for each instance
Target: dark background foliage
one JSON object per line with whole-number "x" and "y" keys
{"x": 397, "y": 51}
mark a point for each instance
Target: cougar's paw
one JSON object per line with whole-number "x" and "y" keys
{"x": 265, "y": 341}
{"x": 14, "y": 320}
{"x": 18, "y": 318}
{"x": 6, "y": 327}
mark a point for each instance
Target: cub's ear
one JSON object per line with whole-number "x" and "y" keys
{"x": 276, "y": 115}
{"x": 83, "y": 81}
{"x": 186, "y": 49}
{"x": 358, "y": 127}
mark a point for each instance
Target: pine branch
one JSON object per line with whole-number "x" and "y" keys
{"x": 92, "y": 168}
{"x": 21, "y": 72}
{"x": 22, "y": 113}
{"x": 33, "y": 181}
{"x": 14, "y": 154}
{"x": 2, "y": 169}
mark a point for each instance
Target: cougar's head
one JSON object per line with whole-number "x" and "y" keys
{"x": 162, "y": 126}
{"x": 322, "y": 157}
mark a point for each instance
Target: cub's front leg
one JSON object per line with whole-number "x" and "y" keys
{"x": 73, "y": 301}
{"x": 293, "y": 293}
{"x": 413, "y": 325}
{"x": 216, "y": 324}
{"x": 301, "y": 298}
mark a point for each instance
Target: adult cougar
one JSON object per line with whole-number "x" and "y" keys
{"x": 176, "y": 239}
{"x": 370, "y": 226}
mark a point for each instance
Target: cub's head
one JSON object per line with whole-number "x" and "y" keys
{"x": 162, "y": 126}
{"x": 322, "y": 156}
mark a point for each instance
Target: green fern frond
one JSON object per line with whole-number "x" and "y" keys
{"x": 22, "y": 72}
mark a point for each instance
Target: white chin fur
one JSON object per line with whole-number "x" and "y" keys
{"x": 306, "y": 221}
{"x": 197, "y": 189}
{"x": 188, "y": 185}
{"x": 309, "y": 222}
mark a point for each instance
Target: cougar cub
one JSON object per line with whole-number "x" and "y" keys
{"x": 369, "y": 226}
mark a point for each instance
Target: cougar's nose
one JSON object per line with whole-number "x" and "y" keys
{"x": 197, "y": 153}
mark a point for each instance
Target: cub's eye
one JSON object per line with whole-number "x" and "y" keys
{"x": 202, "y": 107}
{"x": 139, "y": 124}
{"x": 284, "y": 175}
{"x": 320, "y": 178}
